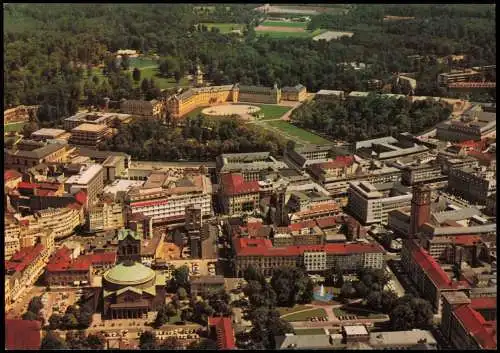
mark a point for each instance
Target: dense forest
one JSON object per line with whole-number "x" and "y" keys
{"x": 371, "y": 117}
{"x": 200, "y": 139}
{"x": 49, "y": 49}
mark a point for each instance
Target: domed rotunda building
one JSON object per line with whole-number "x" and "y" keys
{"x": 131, "y": 290}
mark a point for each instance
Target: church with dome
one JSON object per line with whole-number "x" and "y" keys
{"x": 131, "y": 290}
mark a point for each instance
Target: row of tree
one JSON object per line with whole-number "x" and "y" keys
{"x": 74, "y": 340}
{"x": 355, "y": 120}
{"x": 200, "y": 139}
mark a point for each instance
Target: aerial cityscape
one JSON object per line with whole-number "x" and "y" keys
{"x": 250, "y": 176}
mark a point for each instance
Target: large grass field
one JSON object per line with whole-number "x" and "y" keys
{"x": 225, "y": 27}
{"x": 301, "y": 134}
{"x": 14, "y": 126}
{"x": 279, "y": 35}
{"x": 272, "y": 111}
{"x": 161, "y": 82}
{"x": 284, "y": 24}
{"x": 305, "y": 315}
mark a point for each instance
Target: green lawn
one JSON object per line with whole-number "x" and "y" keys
{"x": 141, "y": 62}
{"x": 14, "y": 126}
{"x": 195, "y": 112}
{"x": 161, "y": 82}
{"x": 272, "y": 111}
{"x": 284, "y": 24}
{"x": 286, "y": 310}
{"x": 294, "y": 131}
{"x": 310, "y": 331}
{"x": 362, "y": 313}
{"x": 225, "y": 27}
{"x": 305, "y": 315}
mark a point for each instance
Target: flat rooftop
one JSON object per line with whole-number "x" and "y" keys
{"x": 86, "y": 176}
{"x": 85, "y": 127}
{"x": 48, "y": 132}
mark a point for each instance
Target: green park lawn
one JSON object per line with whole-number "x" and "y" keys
{"x": 298, "y": 132}
{"x": 225, "y": 27}
{"x": 142, "y": 62}
{"x": 14, "y": 126}
{"x": 286, "y": 310}
{"x": 284, "y": 24}
{"x": 161, "y": 82}
{"x": 272, "y": 111}
{"x": 305, "y": 315}
{"x": 362, "y": 313}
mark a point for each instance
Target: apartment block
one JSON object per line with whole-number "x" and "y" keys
{"x": 90, "y": 180}
{"x": 90, "y": 135}
{"x": 371, "y": 203}
{"x": 475, "y": 185}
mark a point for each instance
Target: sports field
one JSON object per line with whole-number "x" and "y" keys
{"x": 284, "y": 24}
{"x": 300, "y": 134}
{"x": 225, "y": 27}
{"x": 287, "y": 32}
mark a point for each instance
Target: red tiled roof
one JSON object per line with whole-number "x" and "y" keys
{"x": 326, "y": 222}
{"x": 296, "y": 227}
{"x": 81, "y": 197}
{"x": 26, "y": 185}
{"x": 475, "y": 324}
{"x": 22, "y": 258}
{"x": 22, "y": 334}
{"x": 437, "y": 275}
{"x": 264, "y": 247}
{"x": 74, "y": 206}
{"x": 483, "y": 157}
{"x": 466, "y": 239}
{"x": 339, "y": 162}
{"x": 324, "y": 207}
{"x": 11, "y": 174}
{"x": 108, "y": 257}
{"x": 483, "y": 303}
{"x": 225, "y": 332}
{"x": 234, "y": 184}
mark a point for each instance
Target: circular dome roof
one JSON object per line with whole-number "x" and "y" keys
{"x": 129, "y": 274}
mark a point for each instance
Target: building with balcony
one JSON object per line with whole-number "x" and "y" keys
{"x": 89, "y": 135}
{"x": 105, "y": 215}
{"x": 164, "y": 198}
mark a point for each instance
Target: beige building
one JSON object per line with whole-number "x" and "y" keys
{"x": 151, "y": 109}
{"x": 90, "y": 180}
{"x": 90, "y": 135}
{"x": 296, "y": 93}
{"x": 21, "y": 160}
{"x": 164, "y": 198}
{"x": 456, "y": 76}
{"x": 328, "y": 95}
{"x": 62, "y": 221}
{"x": 424, "y": 173}
{"x": 371, "y": 203}
{"x": 105, "y": 215}
{"x": 48, "y": 134}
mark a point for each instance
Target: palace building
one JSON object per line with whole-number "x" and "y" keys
{"x": 181, "y": 104}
